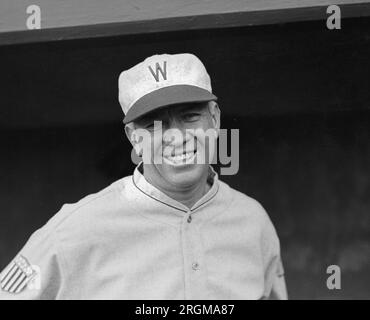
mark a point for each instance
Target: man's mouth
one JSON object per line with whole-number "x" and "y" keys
{"x": 184, "y": 158}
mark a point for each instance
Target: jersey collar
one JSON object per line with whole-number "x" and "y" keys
{"x": 144, "y": 186}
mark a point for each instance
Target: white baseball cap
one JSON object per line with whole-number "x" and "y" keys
{"x": 163, "y": 80}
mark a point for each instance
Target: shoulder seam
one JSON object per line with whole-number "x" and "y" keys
{"x": 79, "y": 207}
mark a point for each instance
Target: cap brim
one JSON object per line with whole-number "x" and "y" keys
{"x": 167, "y": 96}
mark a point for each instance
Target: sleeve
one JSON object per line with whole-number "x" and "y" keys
{"x": 278, "y": 290}
{"x": 35, "y": 273}
{"x": 275, "y": 287}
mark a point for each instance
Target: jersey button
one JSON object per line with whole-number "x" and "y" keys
{"x": 189, "y": 219}
{"x": 195, "y": 266}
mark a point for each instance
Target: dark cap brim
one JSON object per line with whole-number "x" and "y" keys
{"x": 167, "y": 96}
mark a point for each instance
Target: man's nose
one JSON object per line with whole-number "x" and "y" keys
{"x": 173, "y": 136}
{"x": 175, "y": 132}
{"x": 174, "y": 123}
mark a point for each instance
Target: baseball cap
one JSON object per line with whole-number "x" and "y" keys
{"x": 163, "y": 80}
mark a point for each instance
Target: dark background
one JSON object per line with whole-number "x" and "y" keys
{"x": 299, "y": 94}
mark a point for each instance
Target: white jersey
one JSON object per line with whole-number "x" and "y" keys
{"x": 131, "y": 241}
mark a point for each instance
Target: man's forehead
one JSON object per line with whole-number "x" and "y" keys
{"x": 174, "y": 109}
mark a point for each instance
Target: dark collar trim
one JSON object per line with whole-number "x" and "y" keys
{"x": 133, "y": 180}
{"x": 206, "y": 201}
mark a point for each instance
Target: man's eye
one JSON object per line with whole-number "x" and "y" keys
{"x": 149, "y": 126}
{"x": 191, "y": 116}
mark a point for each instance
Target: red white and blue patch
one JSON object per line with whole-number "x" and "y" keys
{"x": 17, "y": 275}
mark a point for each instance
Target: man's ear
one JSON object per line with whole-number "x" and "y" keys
{"x": 129, "y": 130}
{"x": 215, "y": 113}
{"x": 130, "y": 134}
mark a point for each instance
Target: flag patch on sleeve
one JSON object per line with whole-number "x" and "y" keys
{"x": 17, "y": 275}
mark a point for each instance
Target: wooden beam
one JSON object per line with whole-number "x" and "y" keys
{"x": 194, "y": 22}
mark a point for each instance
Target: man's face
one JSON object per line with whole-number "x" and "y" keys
{"x": 180, "y": 149}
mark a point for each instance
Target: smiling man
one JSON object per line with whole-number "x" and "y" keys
{"x": 177, "y": 148}
{"x": 172, "y": 230}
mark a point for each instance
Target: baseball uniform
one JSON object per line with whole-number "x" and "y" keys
{"x": 131, "y": 241}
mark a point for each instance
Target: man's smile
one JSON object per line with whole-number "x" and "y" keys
{"x": 186, "y": 157}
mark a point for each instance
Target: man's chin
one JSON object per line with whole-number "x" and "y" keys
{"x": 185, "y": 175}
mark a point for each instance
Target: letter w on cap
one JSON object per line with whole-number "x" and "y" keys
{"x": 158, "y": 69}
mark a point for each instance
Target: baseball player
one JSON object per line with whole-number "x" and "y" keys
{"x": 173, "y": 229}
